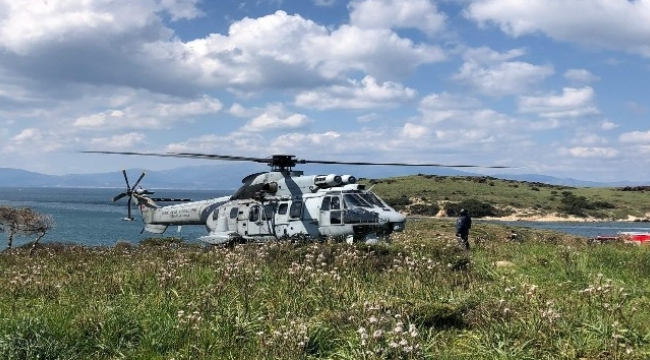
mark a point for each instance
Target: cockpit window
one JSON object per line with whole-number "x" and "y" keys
{"x": 373, "y": 199}
{"x": 354, "y": 200}
{"x": 326, "y": 203}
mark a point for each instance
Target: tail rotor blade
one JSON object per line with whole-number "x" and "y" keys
{"x": 117, "y": 197}
{"x": 128, "y": 206}
{"x": 139, "y": 179}
{"x": 126, "y": 179}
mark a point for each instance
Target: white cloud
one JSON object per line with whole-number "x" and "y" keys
{"x": 586, "y": 138}
{"x": 580, "y": 76}
{"x": 446, "y": 100}
{"x": 380, "y": 53}
{"x": 324, "y": 3}
{"x": 364, "y": 94}
{"x": 181, "y": 9}
{"x": 273, "y": 116}
{"x": 608, "y": 125}
{"x": 98, "y": 120}
{"x": 121, "y": 141}
{"x": 148, "y": 113}
{"x": 590, "y": 152}
{"x": 385, "y": 14}
{"x": 288, "y": 141}
{"x": 635, "y": 137}
{"x": 30, "y": 134}
{"x": 490, "y": 73}
{"x": 609, "y": 24}
{"x": 571, "y": 103}
{"x": 414, "y": 131}
{"x": 33, "y": 140}
{"x": 80, "y": 43}
{"x": 266, "y": 122}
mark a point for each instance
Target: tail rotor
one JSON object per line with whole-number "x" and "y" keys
{"x": 130, "y": 191}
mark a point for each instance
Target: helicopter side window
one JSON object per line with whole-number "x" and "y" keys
{"x": 336, "y": 203}
{"x": 294, "y": 211}
{"x": 254, "y": 215}
{"x": 326, "y": 203}
{"x": 282, "y": 210}
{"x": 233, "y": 213}
{"x": 269, "y": 209}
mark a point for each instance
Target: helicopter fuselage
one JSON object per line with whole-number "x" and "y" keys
{"x": 282, "y": 205}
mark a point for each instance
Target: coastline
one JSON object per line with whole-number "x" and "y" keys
{"x": 523, "y": 215}
{"x": 559, "y": 218}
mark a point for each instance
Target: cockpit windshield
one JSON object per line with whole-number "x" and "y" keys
{"x": 355, "y": 200}
{"x": 372, "y": 199}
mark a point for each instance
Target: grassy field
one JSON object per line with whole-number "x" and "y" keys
{"x": 547, "y": 296}
{"x": 532, "y": 198}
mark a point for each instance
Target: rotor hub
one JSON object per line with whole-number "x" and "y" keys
{"x": 283, "y": 162}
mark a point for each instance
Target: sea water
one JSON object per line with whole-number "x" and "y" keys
{"x": 586, "y": 229}
{"x": 88, "y": 216}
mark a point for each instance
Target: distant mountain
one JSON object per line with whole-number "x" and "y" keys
{"x": 227, "y": 176}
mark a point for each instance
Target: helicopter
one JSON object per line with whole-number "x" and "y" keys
{"x": 280, "y": 204}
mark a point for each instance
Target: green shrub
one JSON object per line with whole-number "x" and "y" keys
{"x": 475, "y": 208}
{"x": 428, "y": 210}
{"x": 398, "y": 203}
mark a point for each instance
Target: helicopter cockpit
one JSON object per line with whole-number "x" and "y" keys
{"x": 358, "y": 200}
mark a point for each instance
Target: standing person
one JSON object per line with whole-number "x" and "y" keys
{"x": 463, "y": 224}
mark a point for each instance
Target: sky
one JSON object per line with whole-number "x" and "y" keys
{"x": 551, "y": 87}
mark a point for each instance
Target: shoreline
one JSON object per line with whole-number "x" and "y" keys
{"x": 551, "y": 218}
{"x": 557, "y": 218}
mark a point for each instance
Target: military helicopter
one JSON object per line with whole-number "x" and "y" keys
{"x": 282, "y": 203}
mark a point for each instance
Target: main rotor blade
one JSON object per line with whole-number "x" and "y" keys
{"x": 221, "y": 157}
{"x": 117, "y": 197}
{"x": 270, "y": 160}
{"x": 395, "y": 164}
{"x": 182, "y": 155}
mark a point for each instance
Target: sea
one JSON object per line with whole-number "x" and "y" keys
{"x": 87, "y": 216}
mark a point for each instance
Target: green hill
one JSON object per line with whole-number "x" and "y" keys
{"x": 487, "y": 196}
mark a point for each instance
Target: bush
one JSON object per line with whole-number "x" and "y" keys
{"x": 577, "y": 205}
{"x": 428, "y": 210}
{"x": 398, "y": 203}
{"x": 474, "y": 207}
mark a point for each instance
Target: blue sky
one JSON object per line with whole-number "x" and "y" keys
{"x": 553, "y": 87}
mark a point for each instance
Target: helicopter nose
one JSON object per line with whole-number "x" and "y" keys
{"x": 399, "y": 227}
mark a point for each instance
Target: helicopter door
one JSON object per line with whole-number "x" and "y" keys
{"x": 255, "y": 221}
{"x": 282, "y": 219}
{"x": 331, "y": 211}
{"x": 232, "y": 218}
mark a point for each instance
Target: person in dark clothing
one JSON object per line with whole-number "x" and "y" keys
{"x": 463, "y": 224}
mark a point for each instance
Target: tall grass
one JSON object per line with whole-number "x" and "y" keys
{"x": 421, "y": 296}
